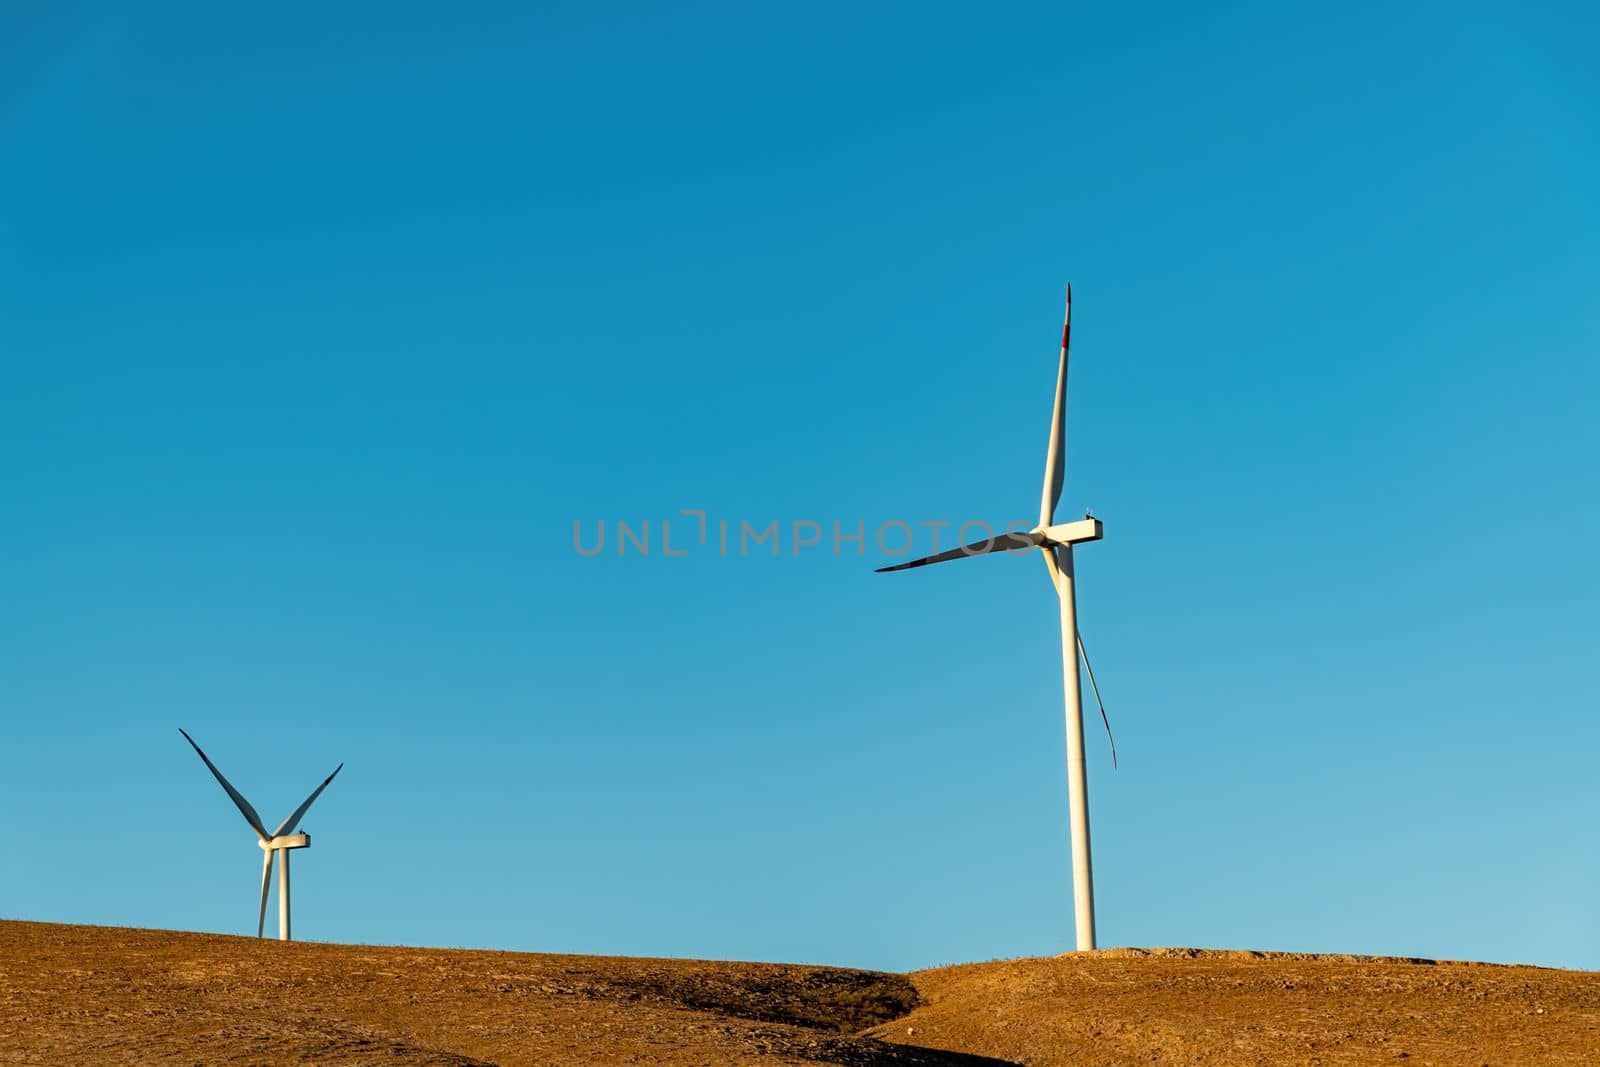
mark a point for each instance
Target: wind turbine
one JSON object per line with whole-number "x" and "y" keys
{"x": 280, "y": 840}
{"x": 1055, "y": 543}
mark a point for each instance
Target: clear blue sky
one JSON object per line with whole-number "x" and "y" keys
{"x": 319, "y": 328}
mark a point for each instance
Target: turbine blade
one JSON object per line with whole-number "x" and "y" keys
{"x": 266, "y": 882}
{"x": 239, "y": 801}
{"x": 1055, "y": 457}
{"x": 1103, "y": 718}
{"x": 1006, "y": 542}
{"x": 294, "y": 820}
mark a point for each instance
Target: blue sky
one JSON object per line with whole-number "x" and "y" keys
{"x": 320, "y": 329}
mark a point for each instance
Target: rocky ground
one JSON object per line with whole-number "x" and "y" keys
{"x": 100, "y": 995}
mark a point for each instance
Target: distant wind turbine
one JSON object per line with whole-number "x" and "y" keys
{"x": 1055, "y": 542}
{"x": 280, "y": 840}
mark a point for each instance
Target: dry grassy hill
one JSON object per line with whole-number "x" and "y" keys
{"x": 99, "y": 995}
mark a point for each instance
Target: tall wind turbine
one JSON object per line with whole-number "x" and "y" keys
{"x": 1055, "y": 543}
{"x": 280, "y": 840}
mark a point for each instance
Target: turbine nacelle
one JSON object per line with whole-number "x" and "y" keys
{"x": 1070, "y": 533}
{"x": 283, "y": 841}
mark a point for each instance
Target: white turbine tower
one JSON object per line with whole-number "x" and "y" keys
{"x": 280, "y": 840}
{"x": 1055, "y": 542}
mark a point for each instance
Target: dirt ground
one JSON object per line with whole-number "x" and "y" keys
{"x": 102, "y": 995}
{"x": 1122, "y": 1006}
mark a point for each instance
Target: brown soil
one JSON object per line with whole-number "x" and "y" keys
{"x": 99, "y": 995}
{"x": 1185, "y": 1005}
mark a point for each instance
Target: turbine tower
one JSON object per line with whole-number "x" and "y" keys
{"x": 280, "y": 840}
{"x": 1055, "y": 542}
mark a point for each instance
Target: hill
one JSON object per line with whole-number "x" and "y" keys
{"x": 103, "y": 995}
